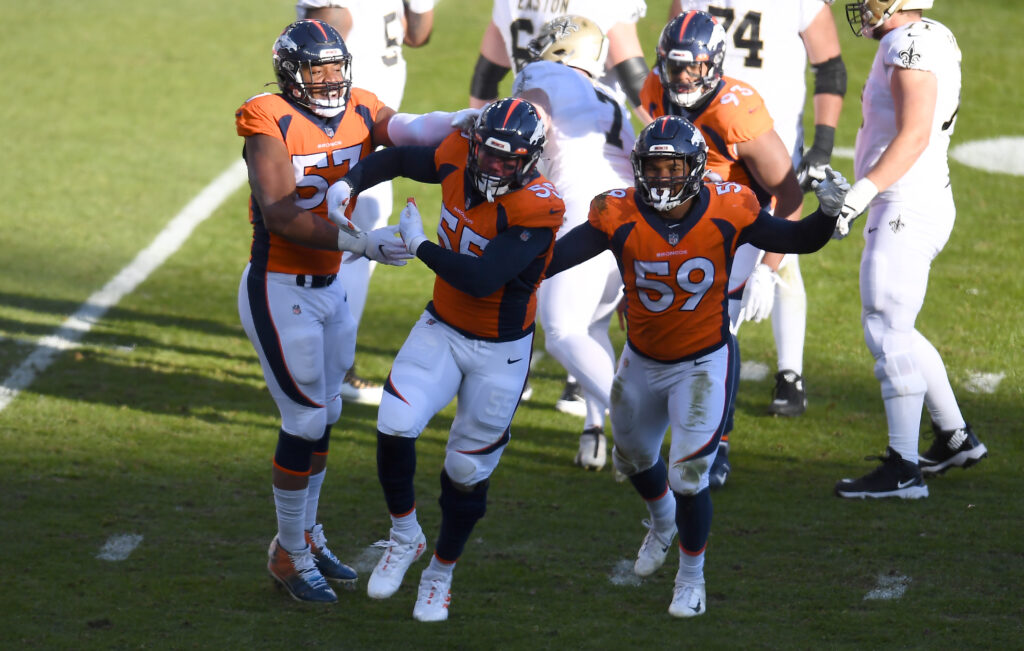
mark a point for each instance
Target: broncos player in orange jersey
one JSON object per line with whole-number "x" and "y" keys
{"x": 675, "y": 239}
{"x": 743, "y": 147}
{"x": 474, "y": 340}
{"x": 297, "y": 143}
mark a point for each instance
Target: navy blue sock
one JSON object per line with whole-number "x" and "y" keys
{"x": 396, "y": 467}
{"x": 693, "y": 519}
{"x": 651, "y": 482}
{"x": 459, "y": 514}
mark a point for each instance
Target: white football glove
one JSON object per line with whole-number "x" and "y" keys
{"x": 812, "y": 169}
{"x": 379, "y": 245}
{"x": 339, "y": 195}
{"x": 465, "y": 119}
{"x": 759, "y": 294}
{"x": 382, "y": 246}
{"x": 411, "y": 226}
{"x": 855, "y": 203}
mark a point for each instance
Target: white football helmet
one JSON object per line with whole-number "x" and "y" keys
{"x": 865, "y": 16}
{"x": 573, "y": 40}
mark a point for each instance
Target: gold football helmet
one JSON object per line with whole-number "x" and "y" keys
{"x": 573, "y": 40}
{"x": 865, "y": 16}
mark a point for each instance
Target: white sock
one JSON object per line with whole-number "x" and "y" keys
{"x": 789, "y": 316}
{"x": 313, "y": 497}
{"x": 691, "y": 568}
{"x": 903, "y": 414}
{"x": 406, "y": 526}
{"x": 291, "y": 518}
{"x": 438, "y": 566}
{"x": 663, "y": 513}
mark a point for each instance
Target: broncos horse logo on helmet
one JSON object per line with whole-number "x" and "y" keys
{"x": 505, "y": 144}
{"x": 691, "y": 51}
{"x": 301, "y": 46}
{"x": 675, "y": 138}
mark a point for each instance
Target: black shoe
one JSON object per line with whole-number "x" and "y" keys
{"x": 894, "y": 478}
{"x": 720, "y": 467}
{"x": 572, "y": 401}
{"x": 788, "y": 397}
{"x": 954, "y": 448}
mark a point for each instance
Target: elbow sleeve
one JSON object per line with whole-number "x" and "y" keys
{"x": 830, "y": 77}
{"x": 632, "y": 74}
{"x": 486, "y": 77}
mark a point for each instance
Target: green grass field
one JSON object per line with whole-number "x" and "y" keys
{"x": 158, "y": 423}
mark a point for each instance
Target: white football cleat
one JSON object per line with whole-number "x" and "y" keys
{"x": 593, "y": 452}
{"x": 359, "y": 390}
{"x": 399, "y": 554}
{"x": 653, "y": 550}
{"x": 433, "y": 597}
{"x": 688, "y": 600}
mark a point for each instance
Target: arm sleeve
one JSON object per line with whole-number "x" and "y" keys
{"x": 416, "y": 163}
{"x": 632, "y": 74}
{"x": 783, "y": 236}
{"x": 578, "y": 245}
{"x": 504, "y": 258}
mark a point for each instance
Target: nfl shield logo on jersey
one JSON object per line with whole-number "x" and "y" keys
{"x": 296, "y": 309}
{"x": 673, "y": 239}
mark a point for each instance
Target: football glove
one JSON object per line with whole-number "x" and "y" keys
{"x": 465, "y": 119}
{"x": 379, "y": 245}
{"x": 411, "y": 226}
{"x": 338, "y": 197}
{"x": 856, "y": 202}
{"x": 758, "y": 294}
{"x": 816, "y": 159}
{"x": 831, "y": 192}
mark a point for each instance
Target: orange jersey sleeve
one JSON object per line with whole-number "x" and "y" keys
{"x": 676, "y": 273}
{"x": 508, "y": 313}
{"x": 321, "y": 151}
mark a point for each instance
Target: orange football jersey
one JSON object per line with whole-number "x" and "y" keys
{"x": 735, "y": 113}
{"x": 320, "y": 156}
{"x": 509, "y": 312}
{"x": 676, "y": 274}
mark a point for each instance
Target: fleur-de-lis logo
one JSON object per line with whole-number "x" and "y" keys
{"x": 909, "y": 57}
{"x": 897, "y": 224}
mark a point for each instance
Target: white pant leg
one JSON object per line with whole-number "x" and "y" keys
{"x": 305, "y": 340}
{"x": 639, "y": 415}
{"x": 901, "y": 241}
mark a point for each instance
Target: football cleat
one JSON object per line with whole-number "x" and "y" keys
{"x": 572, "y": 401}
{"x": 894, "y": 478}
{"x": 433, "y": 597}
{"x": 788, "y": 397}
{"x": 653, "y": 550}
{"x": 688, "y": 600}
{"x": 356, "y": 389}
{"x": 593, "y": 452}
{"x": 720, "y": 467}
{"x": 527, "y": 391}
{"x": 298, "y": 574}
{"x": 958, "y": 448}
{"x": 328, "y": 564}
{"x": 399, "y": 554}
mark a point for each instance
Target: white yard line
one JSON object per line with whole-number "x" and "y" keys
{"x": 146, "y": 262}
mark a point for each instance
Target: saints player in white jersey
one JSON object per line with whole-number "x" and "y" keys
{"x": 769, "y": 45}
{"x": 515, "y": 23}
{"x": 910, "y": 103}
{"x": 374, "y": 31}
{"x": 589, "y": 141}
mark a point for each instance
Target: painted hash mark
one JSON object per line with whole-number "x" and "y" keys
{"x": 889, "y": 587}
{"x": 978, "y": 382}
{"x": 119, "y": 547}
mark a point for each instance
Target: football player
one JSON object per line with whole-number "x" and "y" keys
{"x": 374, "y": 32}
{"x": 769, "y": 45}
{"x": 505, "y": 44}
{"x": 297, "y": 142}
{"x": 687, "y": 81}
{"x": 675, "y": 238}
{"x": 474, "y": 340}
{"x": 909, "y": 107}
{"x": 589, "y": 141}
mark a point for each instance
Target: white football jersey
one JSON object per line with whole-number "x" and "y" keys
{"x": 520, "y": 20}
{"x": 375, "y": 42}
{"x": 764, "y": 49}
{"x": 923, "y": 45}
{"x": 590, "y": 136}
